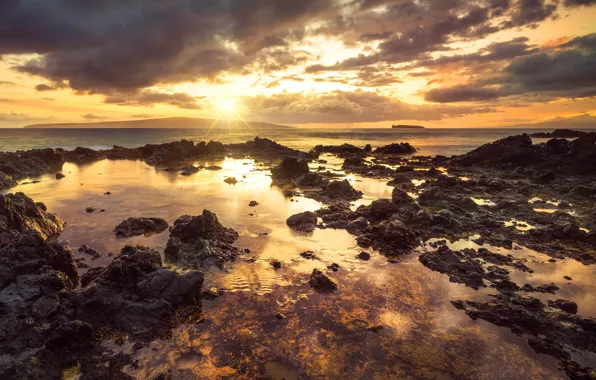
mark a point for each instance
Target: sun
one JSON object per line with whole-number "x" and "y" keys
{"x": 227, "y": 105}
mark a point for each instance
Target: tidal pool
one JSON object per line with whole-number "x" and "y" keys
{"x": 322, "y": 336}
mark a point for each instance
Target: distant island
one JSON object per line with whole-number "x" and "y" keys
{"x": 171, "y": 122}
{"x": 405, "y": 126}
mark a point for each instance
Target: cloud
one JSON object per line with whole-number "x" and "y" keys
{"x": 566, "y": 72}
{"x": 123, "y": 46}
{"x": 149, "y": 98}
{"x": 345, "y": 107}
{"x": 92, "y": 117}
{"x": 7, "y": 84}
{"x": 5, "y": 100}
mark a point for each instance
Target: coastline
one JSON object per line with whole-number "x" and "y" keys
{"x": 486, "y": 198}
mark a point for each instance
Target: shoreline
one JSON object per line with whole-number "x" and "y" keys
{"x": 487, "y": 196}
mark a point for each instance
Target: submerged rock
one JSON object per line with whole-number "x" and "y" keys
{"x": 391, "y": 238}
{"x": 59, "y": 175}
{"x": 304, "y": 221}
{"x": 200, "y": 241}
{"x": 322, "y": 283}
{"x": 140, "y": 226}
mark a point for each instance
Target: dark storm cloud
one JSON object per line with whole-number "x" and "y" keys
{"x": 346, "y": 107}
{"x": 112, "y": 45}
{"x": 494, "y": 52}
{"x": 569, "y": 71}
{"x": 409, "y": 31}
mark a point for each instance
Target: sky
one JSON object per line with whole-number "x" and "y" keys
{"x": 307, "y": 63}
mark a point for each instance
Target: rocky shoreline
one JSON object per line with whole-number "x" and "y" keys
{"x": 53, "y": 317}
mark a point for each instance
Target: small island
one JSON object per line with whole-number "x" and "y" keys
{"x": 405, "y": 126}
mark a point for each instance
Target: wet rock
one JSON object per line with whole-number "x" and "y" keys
{"x": 276, "y": 264}
{"x": 403, "y": 199}
{"x": 290, "y": 168}
{"x": 253, "y": 204}
{"x": 565, "y": 305}
{"x": 172, "y": 152}
{"x": 340, "y": 190}
{"x": 310, "y": 255}
{"x": 189, "y": 170}
{"x": 398, "y": 149}
{"x": 338, "y": 149}
{"x": 140, "y": 226}
{"x": 304, "y": 221}
{"x": 380, "y": 209}
{"x": 391, "y": 238}
{"x": 542, "y": 288}
{"x": 200, "y": 241}
{"x": 322, "y": 283}
{"x": 364, "y": 256}
{"x": 280, "y": 316}
{"x": 334, "y": 267}
{"x": 231, "y": 180}
{"x": 357, "y": 226}
{"x": 311, "y": 180}
{"x": 20, "y": 214}
{"x": 15, "y": 166}
{"x": 460, "y": 268}
{"x": 89, "y": 210}
{"x": 264, "y": 148}
{"x": 95, "y": 254}
{"x": 133, "y": 294}
{"x": 59, "y": 175}
{"x": 549, "y": 332}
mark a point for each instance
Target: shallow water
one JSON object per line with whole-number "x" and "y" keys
{"x": 324, "y": 336}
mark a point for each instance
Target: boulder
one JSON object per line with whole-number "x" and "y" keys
{"x": 200, "y": 241}
{"x": 304, "y": 221}
{"x": 340, "y": 190}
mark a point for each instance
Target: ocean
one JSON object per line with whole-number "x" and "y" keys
{"x": 428, "y": 141}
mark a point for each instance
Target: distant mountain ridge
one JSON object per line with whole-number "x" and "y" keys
{"x": 170, "y": 122}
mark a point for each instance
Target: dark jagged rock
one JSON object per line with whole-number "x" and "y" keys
{"x": 338, "y": 149}
{"x": 133, "y": 294}
{"x": 340, "y": 190}
{"x": 403, "y": 199}
{"x": 59, "y": 175}
{"x": 290, "y": 168}
{"x": 468, "y": 267}
{"x": 304, "y": 221}
{"x": 364, "y": 256}
{"x": 560, "y": 134}
{"x": 322, "y": 283}
{"x": 140, "y": 226}
{"x": 565, "y": 305}
{"x": 550, "y": 333}
{"x": 200, "y": 241}
{"x": 22, "y": 164}
{"x": 311, "y": 180}
{"x": 177, "y": 151}
{"x": 397, "y": 149}
{"x": 231, "y": 180}
{"x": 90, "y": 251}
{"x": 263, "y": 148}
{"x": 516, "y": 150}
{"x": 390, "y": 238}
{"x": 380, "y": 209}
{"x": 253, "y": 204}
{"x": 20, "y": 213}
